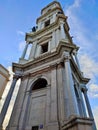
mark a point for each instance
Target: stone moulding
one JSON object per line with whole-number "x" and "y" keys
{"x": 78, "y": 122}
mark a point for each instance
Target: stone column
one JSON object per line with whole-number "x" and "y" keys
{"x": 53, "y": 40}
{"x": 76, "y": 58}
{"x": 7, "y": 101}
{"x": 78, "y": 98}
{"x": 33, "y": 50}
{"x": 66, "y": 98}
{"x": 89, "y": 107}
{"x": 53, "y": 124}
{"x": 24, "y": 113}
{"x": 48, "y": 105}
{"x": 42, "y": 25}
{"x": 49, "y": 46}
{"x": 25, "y": 50}
{"x": 63, "y": 33}
{"x": 60, "y": 88}
{"x": 57, "y": 37}
{"x": 53, "y": 94}
{"x": 54, "y": 18}
{"x": 38, "y": 51}
{"x": 87, "y": 103}
{"x": 82, "y": 103}
{"x": 72, "y": 102}
{"x": 39, "y": 26}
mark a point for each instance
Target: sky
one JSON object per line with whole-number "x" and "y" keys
{"x": 19, "y": 16}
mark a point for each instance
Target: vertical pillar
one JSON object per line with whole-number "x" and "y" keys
{"x": 24, "y": 112}
{"x": 60, "y": 88}
{"x": 42, "y": 25}
{"x": 54, "y": 18}
{"x": 25, "y": 50}
{"x": 48, "y": 105}
{"x": 72, "y": 102}
{"x": 87, "y": 103}
{"x": 89, "y": 107}
{"x": 82, "y": 103}
{"x": 38, "y": 51}
{"x": 49, "y": 46}
{"x": 78, "y": 98}
{"x": 57, "y": 37}
{"x": 53, "y": 39}
{"x": 39, "y": 26}
{"x": 66, "y": 98}
{"x": 63, "y": 33}
{"x": 33, "y": 50}
{"x": 7, "y": 101}
{"x": 53, "y": 94}
{"x": 76, "y": 58}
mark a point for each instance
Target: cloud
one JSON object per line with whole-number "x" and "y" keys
{"x": 20, "y": 33}
{"x": 22, "y": 45}
{"x": 82, "y": 35}
{"x": 93, "y": 90}
{"x": 75, "y": 5}
{"x": 89, "y": 66}
{"x": 94, "y": 87}
{"x": 78, "y": 30}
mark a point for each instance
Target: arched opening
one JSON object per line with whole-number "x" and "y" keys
{"x": 39, "y": 84}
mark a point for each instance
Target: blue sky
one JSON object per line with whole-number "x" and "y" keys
{"x": 18, "y": 17}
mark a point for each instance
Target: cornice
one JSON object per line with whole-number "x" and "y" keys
{"x": 44, "y": 70}
{"x": 50, "y": 5}
{"x": 46, "y": 57}
{"x": 49, "y": 12}
{"x": 50, "y": 28}
{"x": 53, "y": 56}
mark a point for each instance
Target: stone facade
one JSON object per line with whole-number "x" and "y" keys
{"x": 4, "y": 78}
{"x": 52, "y": 93}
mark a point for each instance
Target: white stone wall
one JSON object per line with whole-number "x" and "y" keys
{"x": 4, "y": 77}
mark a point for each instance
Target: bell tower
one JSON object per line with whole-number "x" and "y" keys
{"x": 52, "y": 94}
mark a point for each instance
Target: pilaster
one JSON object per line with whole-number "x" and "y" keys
{"x": 53, "y": 116}
{"x": 33, "y": 50}
{"x": 53, "y": 40}
{"x": 57, "y": 37}
{"x": 60, "y": 92}
{"x": 38, "y": 50}
{"x": 62, "y": 32}
{"x": 25, "y": 50}
{"x": 84, "y": 114}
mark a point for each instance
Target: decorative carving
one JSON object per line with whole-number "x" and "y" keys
{"x": 66, "y": 56}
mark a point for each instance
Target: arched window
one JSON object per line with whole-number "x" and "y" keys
{"x": 39, "y": 84}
